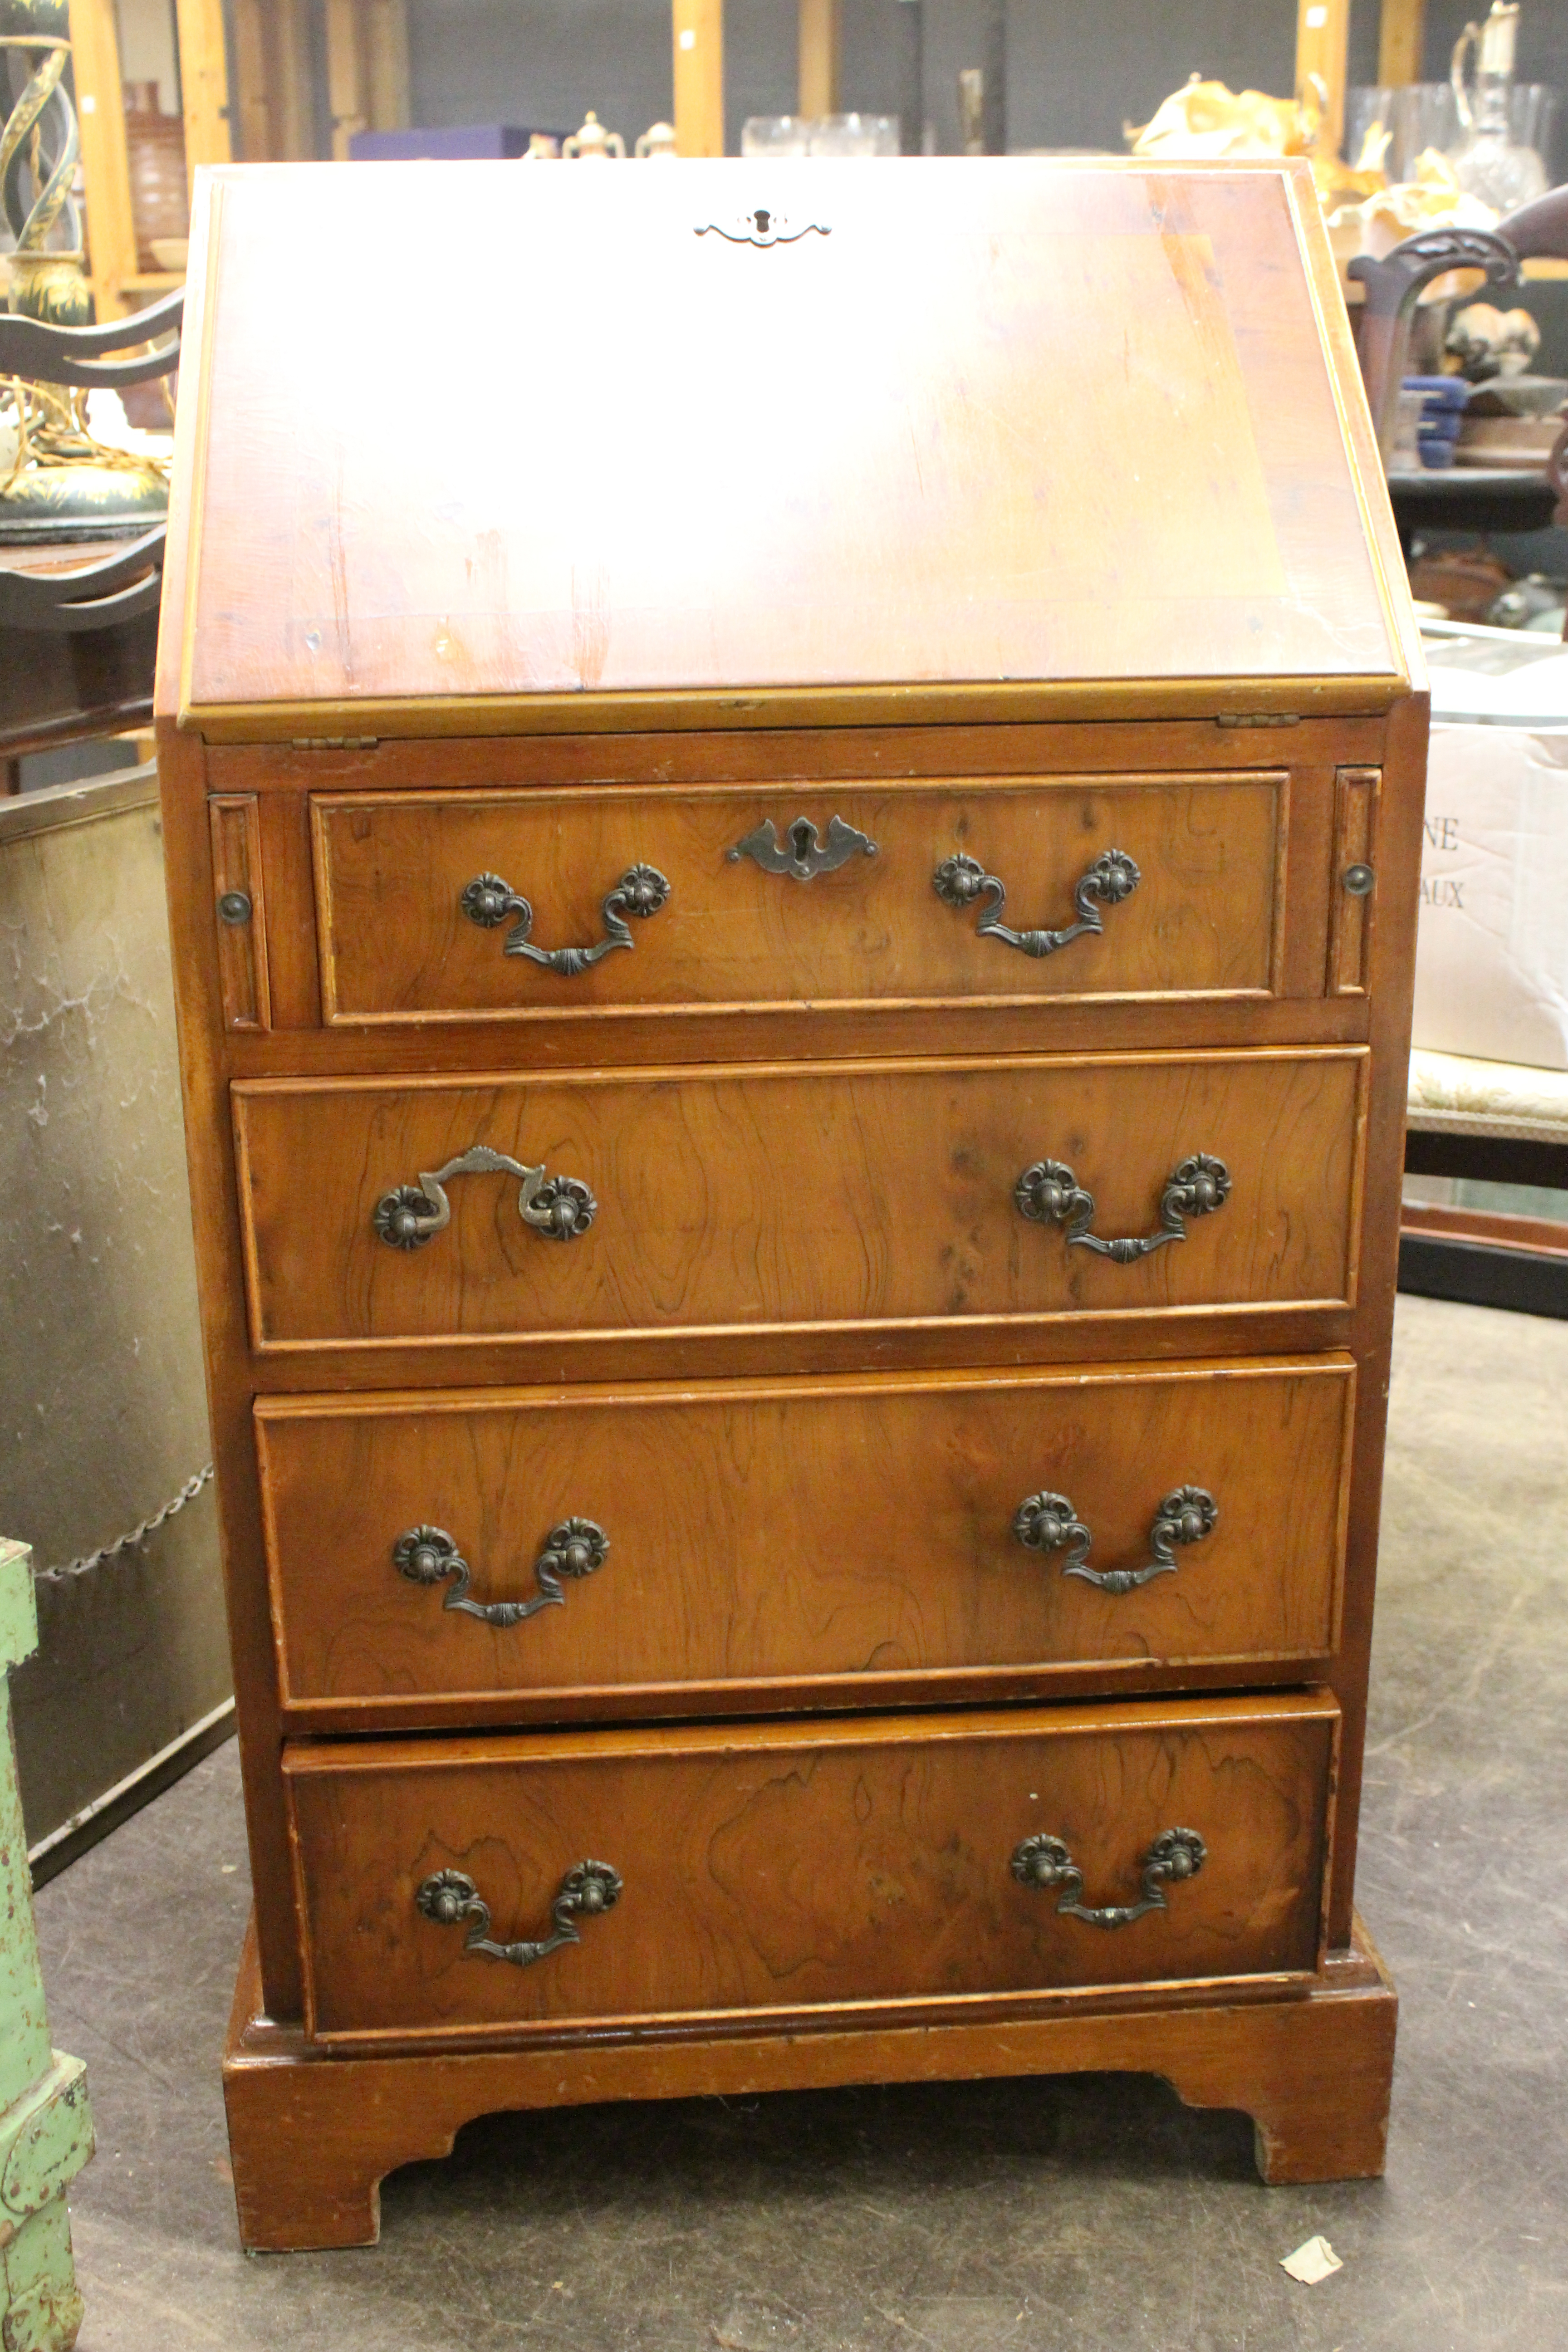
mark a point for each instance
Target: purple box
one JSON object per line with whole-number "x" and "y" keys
{"x": 482, "y": 141}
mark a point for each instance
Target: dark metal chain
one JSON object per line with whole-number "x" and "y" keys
{"x": 138, "y": 1536}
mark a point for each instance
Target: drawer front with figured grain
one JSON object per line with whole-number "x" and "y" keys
{"x": 873, "y": 1193}
{"x": 451, "y": 1887}
{"x": 538, "y": 904}
{"x": 749, "y": 1543}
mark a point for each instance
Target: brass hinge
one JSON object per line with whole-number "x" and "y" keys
{"x": 334, "y": 742}
{"x": 1259, "y": 719}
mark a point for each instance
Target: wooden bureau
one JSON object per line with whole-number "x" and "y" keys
{"x": 793, "y": 957}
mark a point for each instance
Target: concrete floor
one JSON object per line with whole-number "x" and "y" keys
{"x": 1092, "y": 2213}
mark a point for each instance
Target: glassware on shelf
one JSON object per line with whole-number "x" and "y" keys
{"x": 1491, "y": 165}
{"x": 1419, "y": 115}
{"x": 1532, "y": 109}
{"x": 593, "y": 143}
{"x": 776, "y": 134}
{"x": 854, "y": 134}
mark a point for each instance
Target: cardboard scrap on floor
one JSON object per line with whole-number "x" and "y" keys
{"x": 1314, "y": 2261}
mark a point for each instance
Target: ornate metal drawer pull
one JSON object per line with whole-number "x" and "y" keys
{"x": 559, "y": 1207}
{"x": 1046, "y": 1522}
{"x": 574, "y": 1548}
{"x": 1048, "y": 1193}
{"x": 959, "y": 881}
{"x": 806, "y": 856}
{"x": 1045, "y": 1863}
{"x": 450, "y": 1897}
{"x": 488, "y": 902}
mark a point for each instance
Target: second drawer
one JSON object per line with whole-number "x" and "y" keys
{"x": 747, "y": 1543}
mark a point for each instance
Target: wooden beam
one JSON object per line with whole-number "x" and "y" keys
{"x": 204, "y": 82}
{"x": 698, "y": 32}
{"x": 293, "y": 112}
{"x": 387, "y": 62}
{"x": 105, "y": 163}
{"x": 1401, "y": 42}
{"x": 819, "y": 51}
{"x": 346, "y": 92}
{"x": 252, "y": 115}
{"x": 1322, "y": 42}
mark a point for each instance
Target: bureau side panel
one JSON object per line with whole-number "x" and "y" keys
{"x": 199, "y": 999}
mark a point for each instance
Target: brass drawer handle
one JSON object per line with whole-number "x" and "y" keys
{"x": 1048, "y": 1193}
{"x": 805, "y": 857}
{"x": 1045, "y": 1863}
{"x": 450, "y": 1896}
{"x": 1046, "y": 1522}
{"x": 488, "y": 902}
{"x": 559, "y": 1207}
{"x": 959, "y": 881}
{"x": 574, "y": 1548}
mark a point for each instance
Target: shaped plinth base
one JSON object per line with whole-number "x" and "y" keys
{"x": 314, "y": 2136}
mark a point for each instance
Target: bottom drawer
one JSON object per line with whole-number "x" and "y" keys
{"x": 470, "y": 1887}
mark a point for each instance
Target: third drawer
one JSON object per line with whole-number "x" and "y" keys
{"x": 539, "y": 1553}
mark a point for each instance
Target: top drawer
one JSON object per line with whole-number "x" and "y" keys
{"x": 510, "y": 905}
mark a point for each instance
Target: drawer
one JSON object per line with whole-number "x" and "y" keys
{"x": 879, "y": 1863}
{"x": 445, "y": 905}
{"x": 745, "y": 1198}
{"x": 798, "y": 1541}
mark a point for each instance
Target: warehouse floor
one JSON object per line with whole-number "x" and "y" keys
{"x": 1092, "y": 2211}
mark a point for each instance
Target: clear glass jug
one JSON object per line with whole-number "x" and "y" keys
{"x": 1491, "y": 165}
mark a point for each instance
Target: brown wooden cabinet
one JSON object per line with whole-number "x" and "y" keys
{"x": 794, "y": 1016}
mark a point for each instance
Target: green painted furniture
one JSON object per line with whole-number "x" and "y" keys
{"x": 45, "y": 2123}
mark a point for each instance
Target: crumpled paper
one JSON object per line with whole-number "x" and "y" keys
{"x": 1311, "y": 2263}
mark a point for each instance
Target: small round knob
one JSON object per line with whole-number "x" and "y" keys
{"x": 642, "y": 890}
{"x": 488, "y": 900}
{"x": 576, "y": 1547}
{"x": 590, "y": 1887}
{"x": 1042, "y": 1860}
{"x": 1048, "y": 1193}
{"x": 1115, "y": 877}
{"x": 1046, "y": 1522}
{"x": 959, "y": 880}
{"x": 235, "y": 907}
{"x": 1189, "y": 1515}
{"x": 405, "y": 1219}
{"x": 1200, "y": 1185}
{"x": 425, "y": 1555}
{"x": 1359, "y": 880}
{"x": 563, "y": 1208}
{"x": 447, "y": 1896}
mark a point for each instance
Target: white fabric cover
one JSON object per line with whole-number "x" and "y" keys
{"x": 1452, "y": 1095}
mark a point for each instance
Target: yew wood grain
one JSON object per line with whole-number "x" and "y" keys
{"x": 311, "y": 2133}
{"x": 941, "y": 512}
{"x": 1205, "y": 918}
{"x": 766, "y": 1536}
{"x": 242, "y": 945}
{"x": 786, "y": 1869}
{"x": 1390, "y": 971}
{"x": 199, "y": 1007}
{"x": 791, "y": 1193}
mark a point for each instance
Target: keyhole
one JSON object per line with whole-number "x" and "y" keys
{"x": 802, "y": 837}
{"x": 761, "y": 219}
